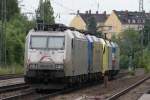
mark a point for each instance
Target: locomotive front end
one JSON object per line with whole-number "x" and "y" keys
{"x": 45, "y": 57}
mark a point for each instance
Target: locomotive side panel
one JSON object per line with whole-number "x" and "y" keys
{"x": 105, "y": 59}
{"x": 80, "y": 57}
{"x": 101, "y": 57}
{"x": 90, "y": 53}
{"x": 97, "y": 57}
{"x": 68, "y": 69}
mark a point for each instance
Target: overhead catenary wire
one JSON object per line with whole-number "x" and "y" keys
{"x": 61, "y": 5}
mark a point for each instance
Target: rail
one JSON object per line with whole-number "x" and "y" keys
{"x": 13, "y": 87}
{"x": 10, "y": 76}
{"x": 117, "y": 95}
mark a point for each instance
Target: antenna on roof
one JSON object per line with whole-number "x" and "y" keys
{"x": 141, "y": 8}
{"x": 98, "y": 3}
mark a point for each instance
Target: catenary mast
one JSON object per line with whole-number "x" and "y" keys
{"x": 3, "y": 33}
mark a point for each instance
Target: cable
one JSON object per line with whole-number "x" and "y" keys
{"x": 61, "y": 5}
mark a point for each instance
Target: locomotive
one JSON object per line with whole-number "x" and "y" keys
{"x": 58, "y": 56}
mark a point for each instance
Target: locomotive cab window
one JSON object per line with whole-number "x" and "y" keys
{"x": 56, "y": 42}
{"x": 38, "y": 42}
{"x": 47, "y": 42}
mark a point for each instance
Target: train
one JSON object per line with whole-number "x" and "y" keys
{"x": 60, "y": 56}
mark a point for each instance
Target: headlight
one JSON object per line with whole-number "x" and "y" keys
{"x": 32, "y": 66}
{"x": 59, "y": 66}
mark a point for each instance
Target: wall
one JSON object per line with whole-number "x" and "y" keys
{"x": 115, "y": 24}
{"x": 78, "y": 23}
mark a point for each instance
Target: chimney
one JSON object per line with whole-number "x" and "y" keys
{"x": 86, "y": 12}
{"x": 96, "y": 12}
{"x": 89, "y": 11}
{"x": 104, "y": 12}
{"x": 78, "y": 11}
{"x": 126, "y": 12}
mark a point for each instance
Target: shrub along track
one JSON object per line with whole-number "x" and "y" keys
{"x": 10, "y": 76}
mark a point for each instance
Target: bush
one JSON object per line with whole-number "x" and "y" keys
{"x": 13, "y": 69}
{"x": 124, "y": 61}
{"x": 146, "y": 60}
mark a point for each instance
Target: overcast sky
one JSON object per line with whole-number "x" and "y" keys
{"x": 63, "y": 8}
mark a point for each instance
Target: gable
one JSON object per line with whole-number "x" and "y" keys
{"x": 78, "y": 23}
{"x": 114, "y": 22}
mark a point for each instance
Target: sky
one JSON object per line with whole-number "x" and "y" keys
{"x": 64, "y": 9}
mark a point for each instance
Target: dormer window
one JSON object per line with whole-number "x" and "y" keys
{"x": 143, "y": 21}
{"x": 129, "y": 21}
{"x": 133, "y": 21}
{"x": 139, "y": 21}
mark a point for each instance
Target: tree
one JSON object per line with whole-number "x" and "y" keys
{"x": 45, "y": 12}
{"x": 146, "y": 33}
{"x": 129, "y": 43}
{"x": 92, "y": 27}
{"x": 11, "y": 8}
{"x": 129, "y": 40}
{"x": 17, "y": 28}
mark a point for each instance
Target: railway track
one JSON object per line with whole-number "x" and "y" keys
{"x": 10, "y": 76}
{"x": 33, "y": 95}
{"x": 20, "y": 96}
{"x": 18, "y": 91}
{"x": 123, "y": 92}
{"x": 13, "y": 87}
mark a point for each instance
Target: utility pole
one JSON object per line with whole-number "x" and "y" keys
{"x": 98, "y": 4}
{"x": 141, "y": 25}
{"x": 142, "y": 17}
{"x": 3, "y": 33}
{"x": 141, "y": 6}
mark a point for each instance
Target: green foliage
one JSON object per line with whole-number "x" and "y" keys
{"x": 145, "y": 62}
{"x": 98, "y": 34}
{"x": 146, "y": 33}
{"x": 130, "y": 47}
{"x": 45, "y": 12}
{"x": 124, "y": 61}
{"x": 17, "y": 26}
{"x": 15, "y": 38}
{"x": 91, "y": 26}
{"x": 11, "y": 8}
{"x": 13, "y": 69}
{"x": 129, "y": 42}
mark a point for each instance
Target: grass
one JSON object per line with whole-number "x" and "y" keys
{"x": 11, "y": 69}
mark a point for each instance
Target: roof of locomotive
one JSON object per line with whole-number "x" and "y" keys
{"x": 58, "y": 29}
{"x": 46, "y": 33}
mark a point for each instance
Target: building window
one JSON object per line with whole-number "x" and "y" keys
{"x": 129, "y": 21}
{"x": 133, "y": 21}
{"x": 139, "y": 21}
{"x": 143, "y": 21}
